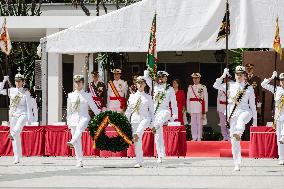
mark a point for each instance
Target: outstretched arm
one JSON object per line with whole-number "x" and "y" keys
{"x": 2, "y": 84}
{"x": 29, "y": 106}
{"x": 92, "y": 104}
{"x": 218, "y": 83}
{"x": 173, "y": 101}
{"x": 253, "y": 106}
{"x": 265, "y": 84}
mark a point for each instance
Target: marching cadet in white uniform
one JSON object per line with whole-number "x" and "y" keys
{"x": 241, "y": 108}
{"x": 78, "y": 104}
{"x": 164, "y": 94}
{"x": 20, "y": 113}
{"x": 221, "y": 109}
{"x": 279, "y": 112}
{"x": 117, "y": 92}
{"x": 140, "y": 113}
{"x": 197, "y": 106}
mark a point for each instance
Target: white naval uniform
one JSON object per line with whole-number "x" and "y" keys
{"x": 78, "y": 119}
{"x": 195, "y": 109}
{"x": 242, "y": 115}
{"x": 163, "y": 114}
{"x": 18, "y": 117}
{"x": 122, "y": 87}
{"x": 280, "y": 120}
{"x": 140, "y": 119}
{"x": 221, "y": 109}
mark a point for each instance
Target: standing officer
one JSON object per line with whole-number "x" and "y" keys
{"x": 78, "y": 103}
{"x": 117, "y": 92}
{"x": 140, "y": 113}
{"x": 20, "y": 112}
{"x": 241, "y": 109}
{"x": 98, "y": 90}
{"x": 197, "y": 106}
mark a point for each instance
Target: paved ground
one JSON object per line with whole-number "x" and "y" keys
{"x": 59, "y": 172}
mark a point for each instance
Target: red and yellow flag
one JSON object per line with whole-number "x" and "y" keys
{"x": 5, "y": 42}
{"x": 277, "y": 42}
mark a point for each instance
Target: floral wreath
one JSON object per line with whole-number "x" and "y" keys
{"x": 120, "y": 124}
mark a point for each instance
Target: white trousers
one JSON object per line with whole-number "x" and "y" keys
{"x": 280, "y": 133}
{"x": 224, "y": 129}
{"x": 16, "y": 127}
{"x": 196, "y": 126}
{"x": 237, "y": 126}
{"x": 138, "y": 128}
{"x": 160, "y": 119}
{"x": 76, "y": 140}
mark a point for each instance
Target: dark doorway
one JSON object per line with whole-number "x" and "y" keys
{"x": 209, "y": 73}
{"x": 67, "y": 78}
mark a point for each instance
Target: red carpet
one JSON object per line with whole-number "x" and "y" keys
{"x": 214, "y": 149}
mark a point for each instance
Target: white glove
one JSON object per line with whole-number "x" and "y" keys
{"x": 146, "y": 73}
{"x": 254, "y": 122}
{"x": 6, "y": 78}
{"x": 274, "y": 75}
{"x": 225, "y": 73}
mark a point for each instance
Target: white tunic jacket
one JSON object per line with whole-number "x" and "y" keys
{"x": 76, "y": 112}
{"x": 141, "y": 106}
{"x": 277, "y": 96}
{"x": 201, "y": 92}
{"x": 122, "y": 87}
{"x": 24, "y": 105}
{"x": 248, "y": 100}
{"x": 169, "y": 97}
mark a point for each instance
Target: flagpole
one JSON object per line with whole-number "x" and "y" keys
{"x": 227, "y": 54}
{"x": 7, "y": 92}
{"x": 275, "y": 69}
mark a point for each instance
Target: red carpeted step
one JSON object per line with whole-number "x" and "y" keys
{"x": 213, "y": 148}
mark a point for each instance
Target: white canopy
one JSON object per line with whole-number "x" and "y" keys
{"x": 182, "y": 25}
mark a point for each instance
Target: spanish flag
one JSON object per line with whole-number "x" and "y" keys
{"x": 5, "y": 43}
{"x": 277, "y": 42}
{"x": 223, "y": 29}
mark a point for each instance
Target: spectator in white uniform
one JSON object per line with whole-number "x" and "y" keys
{"x": 140, "y": 113}
{"x": 78, "y": 103}
{"x": 197, "y": 106}
{"x": 278, "y": 92}
{"x": 241, "y": 108}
